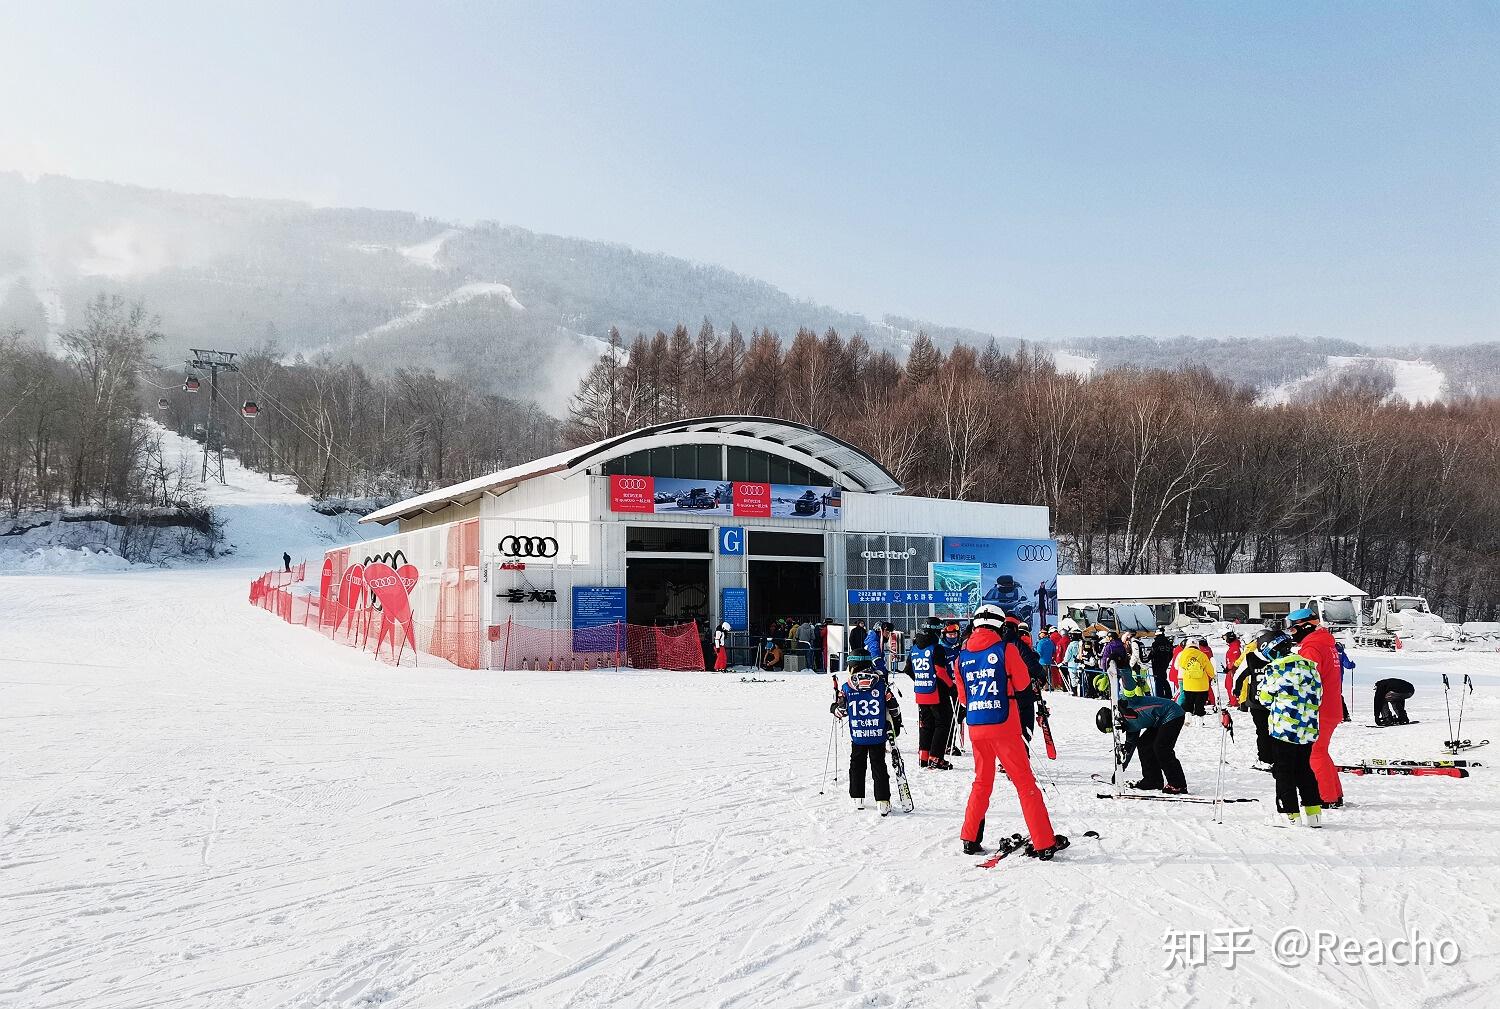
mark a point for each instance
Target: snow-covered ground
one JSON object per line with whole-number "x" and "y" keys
{"x": 1415, "y": 381}
{"x": 203, "y": 806}
{"x": 1070, "y": 363}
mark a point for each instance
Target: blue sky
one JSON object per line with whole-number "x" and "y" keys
{"x": 1051, "y": 172}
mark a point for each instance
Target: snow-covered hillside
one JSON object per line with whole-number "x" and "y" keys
{"x": 1070, "y": 363}
{"x": 1415, "y": 381}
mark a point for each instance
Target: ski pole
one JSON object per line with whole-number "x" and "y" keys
{"x": 1224, "y": 731}
{"x": 1448, "y": 706}
{"x": 1462, "y": 696}
{"x": 833, "y": 725}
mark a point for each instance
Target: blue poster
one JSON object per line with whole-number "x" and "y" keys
{"x": 598, "y": 618}
{"x": 731, "y": 540}
{"x": 735, "y": 607}
{"x": 676, "y": 496}
{"x": 905, "y": 597}
{"x": 1019, "y": 576}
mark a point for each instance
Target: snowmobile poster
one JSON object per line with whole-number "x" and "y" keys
{"x": 1019, "y": 576}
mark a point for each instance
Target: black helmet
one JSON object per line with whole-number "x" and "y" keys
{"x": 1273, "y": 645}
{"x": 924, "y": 637}
{"x": 1104, "y": 720}
{"x": 1231, "y": 636}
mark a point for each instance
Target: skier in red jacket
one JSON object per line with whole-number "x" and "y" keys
{"x": 992, "y": 672}
{"x": 1232, "y": 651}
{"x": 1316, "y": 643}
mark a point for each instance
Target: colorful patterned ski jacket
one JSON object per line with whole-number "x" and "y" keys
{"x": 1292, "y": 690}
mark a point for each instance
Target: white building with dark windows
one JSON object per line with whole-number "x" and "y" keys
{"x": 738, "y": 518}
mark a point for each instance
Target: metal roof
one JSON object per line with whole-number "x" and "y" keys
{"x": 1165, "y": 588}
{"x": 857, "y": 470}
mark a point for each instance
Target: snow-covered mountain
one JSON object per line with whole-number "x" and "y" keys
{"x": 506, "y": 305}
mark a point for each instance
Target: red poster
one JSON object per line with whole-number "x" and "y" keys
{"x": 752, "y": 500}
{"x": 632, "y": 494}
{"x": 395, "y": 606}
{"x": 326, "y": 582}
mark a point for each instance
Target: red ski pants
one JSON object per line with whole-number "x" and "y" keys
{"x": 1329, "y": 785}
{"x": 1004, "y": 743}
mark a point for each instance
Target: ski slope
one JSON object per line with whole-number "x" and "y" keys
{"x": 205, "y": 807}
{"x": 1416, "y": 382}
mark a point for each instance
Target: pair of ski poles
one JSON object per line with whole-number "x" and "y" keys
{"x": 1454, "y": 738}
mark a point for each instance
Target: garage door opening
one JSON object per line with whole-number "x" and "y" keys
{"x": 791, "y": 589}
{"x": 664, "y": 591}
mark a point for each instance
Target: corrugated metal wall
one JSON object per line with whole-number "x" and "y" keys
{"x": 939, "y": 517}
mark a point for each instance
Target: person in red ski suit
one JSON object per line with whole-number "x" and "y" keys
{"x": 992, "y": 672}
{"x": 1232, "y": 651}
{"x": 1316, "y": 643}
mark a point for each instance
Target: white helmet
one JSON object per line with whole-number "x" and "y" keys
{"x": 990, "y": 617}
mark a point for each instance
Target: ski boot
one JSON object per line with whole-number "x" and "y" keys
{"x": 859, "y": 803}
{"x": 1172, "y": 790}
{"x": 1278, "y": 819}
{"x": 940, "y": 765}
{"x": 884, "y": 807}
{"x": 1314, "y": 816}
{"x": 1334, "y": 805}
{"x": 1059, "y": 842}
{"x": 1141, "y": 786}
{"x": 976, "y": 847}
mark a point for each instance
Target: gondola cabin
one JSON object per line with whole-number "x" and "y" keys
{"x": 249, "y": 411}
{"x": 162, "y": 404}
{"x": 191, "y": 385}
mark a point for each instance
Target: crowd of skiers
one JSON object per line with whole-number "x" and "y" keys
{"x": 978, "y": 685}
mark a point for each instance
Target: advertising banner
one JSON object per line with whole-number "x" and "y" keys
{"x": 631, "y": 494}
{"x": 960, "y": 585}
{"x": 1019, "y": 576}
{"x": 908, "y": 597}
{"x": 395, "y": 605}
{"x": 741, "y": 499}
{"x": 598, "y": 617}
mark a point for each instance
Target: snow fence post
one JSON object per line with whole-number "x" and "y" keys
{"x": 505, "y": 660}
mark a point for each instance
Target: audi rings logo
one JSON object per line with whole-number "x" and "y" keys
{"x": 631, "y": 482}
{"x": 889, "y": 555}
{"x": 753, "y": 490}
{"x": 1034, "y": 552}
{"x": 528, "y": 546}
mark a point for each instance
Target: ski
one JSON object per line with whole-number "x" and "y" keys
{"x": 1043, "y": 717}
{"x": 1006, "y": 847}
{"x": 903, "y": 787}
{"x": 1373, "y": 762}
{"x": 1445, "y": 772}
{"x": 1207, "y": 800}
{"x": 1456, "y": 745}
{"x": 1393, "y": 725}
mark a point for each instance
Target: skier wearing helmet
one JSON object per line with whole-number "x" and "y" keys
{"x": 932, "y": 682}
{"x": 992, "y": 672}
{"x": 1315, "y": 643}
{"x": 1291, "y": 689}
{"x": 1232, "y": 652}
{"x": 872, "y": 711}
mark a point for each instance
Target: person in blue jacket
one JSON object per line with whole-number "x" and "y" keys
{"x": 875, "y": 639}
{"x": 1046, "y": 649}
{"x": 1152, "y": 724}
{"x": 874, "y": 716}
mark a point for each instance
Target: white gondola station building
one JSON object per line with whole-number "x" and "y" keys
{"x": 736, "y": 518}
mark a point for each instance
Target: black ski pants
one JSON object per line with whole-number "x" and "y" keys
{"x": 935, "y": 728}
{"x": 1162, "y": 684}
{"x": 1294, "y": 776}
{"x": 1158, "y": 750}
{"x": 1264, "y": 752}
{"x": 1193, "y": 701}
{"x": 874, "y": 755}
{"x": 1390, "y": 700}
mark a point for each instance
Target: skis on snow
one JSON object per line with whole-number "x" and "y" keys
{"x": 1459, "y": 745}
{"x": 1010, "y": 845}
{"x": 1393, "y": 725}
{"x": 1373, "y": 762}
{"x": 1159, "y": 796}
{"x": 1415, "y": 772}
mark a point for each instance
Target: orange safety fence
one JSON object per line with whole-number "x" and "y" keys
{"x": 462, "y": 641}
{"x": 514, "y": 645}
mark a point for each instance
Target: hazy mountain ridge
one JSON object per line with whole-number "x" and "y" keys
{"x": 500, "y": 302}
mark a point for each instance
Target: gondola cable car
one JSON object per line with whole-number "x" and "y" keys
{"x": 249, "y": 411}
{"x": 191, "y": 385}
{"x": 162, "y": 404}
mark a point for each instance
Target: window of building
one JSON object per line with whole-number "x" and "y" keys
{"x": 767, "y": 543}
{"x": 668, "y": 540}
{"x": 1269, "y": 609}
{"x": 686, "y": 462}
{"x": 1236, "y": 611}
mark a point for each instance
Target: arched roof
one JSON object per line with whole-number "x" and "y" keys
{"x": 844, "y": 464}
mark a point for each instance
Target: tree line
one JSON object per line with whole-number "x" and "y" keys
{"x": 1144, "y": 471}
{"x": 82, "y": 424}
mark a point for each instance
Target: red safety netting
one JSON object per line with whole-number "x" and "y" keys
{"x": 514, "y": 645}
{"x": 362, "y": 627}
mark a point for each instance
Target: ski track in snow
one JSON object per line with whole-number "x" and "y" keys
{"x": 205, "y": 807}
